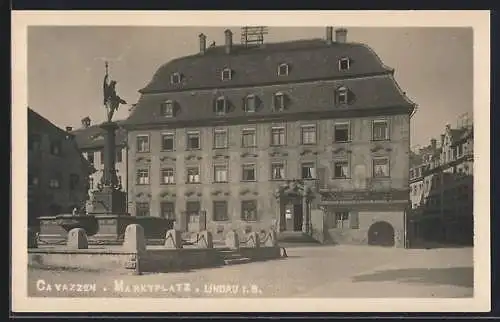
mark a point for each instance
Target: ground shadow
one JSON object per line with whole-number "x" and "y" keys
{"x": 456, "y": 276}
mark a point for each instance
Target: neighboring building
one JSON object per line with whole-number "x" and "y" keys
{"x": 444, "y": 210}
{"x": 221, "y": 130}
{"x": 57, "y": 172}
{"x": 90, "y": 140}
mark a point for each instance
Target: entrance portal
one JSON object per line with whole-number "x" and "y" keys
{"x": 297, "y": 217}
{"x": 381, "y": 233}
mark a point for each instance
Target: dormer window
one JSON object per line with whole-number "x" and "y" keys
{"x": 283, "y": 70}
{"x": 167, "y": 109}
{"x": 226, "y": 74}
{"x": 279, "y": 101}
{"x": 344, "y": 63}
{"x": 250, "y": 103}
{"x": 220, "y": 106}
{"x": 342, "y": 95}
{"x": 175, "y": 78}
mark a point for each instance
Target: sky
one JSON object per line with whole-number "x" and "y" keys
{"x": 434, "y": 66}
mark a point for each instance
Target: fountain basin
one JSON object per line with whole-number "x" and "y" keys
{"x": 88, "y": 223}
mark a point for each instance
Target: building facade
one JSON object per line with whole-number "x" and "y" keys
{"x": 444, "y": 211}
{"x": 221, "y": 131}
{"x": 57, "y": 172}
{"x": 90, "y": 141}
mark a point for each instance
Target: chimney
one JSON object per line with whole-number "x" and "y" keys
{"x": 203, "y": 43}
{"x": 433, "y": 144}
{"x": 86, "y": 122}
{"x": 341, "y": 35}
{"x": 229, "y": 40}
{"x": 69, "y": 128}
{"x": 329, "y": 35}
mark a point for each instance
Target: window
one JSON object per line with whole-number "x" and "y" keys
{"x": 411, "y": 174}
{"x": 90, "y": 157}
{"x": 344, "y": 64}
{"x": 118, "y": 156}
{"x": 342, "y": 95}
{"x": 167, "y": 142}
{"x": 341, "y": 169}
{"x": 193, "y": 140}
{"x": 74, "y": 180}
{"x": 308, "y": 170}
{"x": 249, "y": 210}
{"x": 91, "y": 183}
{"x": 342, "y": 219}
{"x": 143, "y": 143}
{"x": 279, "y": 102}
{"x": 277, "y": 171}
{"x": 308, "y": 134}
{"x": 249, "y": 138}
{"x": 283, "y": 70}
{"x": 142, "y": 209}
{"x": 341, "y": 132}
{"x": 193, "y": 209}
{"x": 250, "y": 103}
{"x": 277, "y": 136}
{"x": 460, "y": 150}
{"x": 55, "y": 148}
{"x": 167, "y": 209}
{"x": 380, "y": 130}
{"x": 167, "y": 176}
{"x": 220, "y": 106}
{"x": 34, "y": 142}
{"x": 381, "y": 168}
{"x": 193, "y": 175}
{"x": 167, "y": 109}
{"x": 226, "y": 74}
{"x": 175, "y": 78}
{"x": 220, "y": 139}
{"x": 220, "y": 173}
{"x": 220, "y": 211}
{"x": 54, "y": 183}
{"x": 142, "y": 176}
{"x": 248, "y": 172}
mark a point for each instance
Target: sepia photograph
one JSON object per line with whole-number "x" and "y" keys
{"x": 251, "y": 164}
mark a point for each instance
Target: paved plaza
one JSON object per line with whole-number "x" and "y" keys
{"x": 314, "y": 271}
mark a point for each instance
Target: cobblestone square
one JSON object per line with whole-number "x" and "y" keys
{"x": 321, "y": 271}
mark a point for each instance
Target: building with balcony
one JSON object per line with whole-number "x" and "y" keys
{"x": 443, "y": 207}
{"x": 57, "y": 172}
{"x": 241, "y": 132}
{"x": 90, "y": 141}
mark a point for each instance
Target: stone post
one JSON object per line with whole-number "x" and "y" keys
{"x": 232, "y": 240}
{"x": 109, "y": 173}
{"x": 173, "y": 239}
{"x": 205, "y": 239}
{"x": 203, "y": 221}
{"x": 134, "y": 239}
{"x": 253, "y": 240}
{"x": 77, "y": 239}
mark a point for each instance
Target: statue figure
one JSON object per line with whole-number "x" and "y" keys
{"x": 111, "y": 100}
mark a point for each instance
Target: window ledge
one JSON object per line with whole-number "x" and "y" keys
{"x": 168, "y": 184}
{"x": 193, "y": 182}
{"x": 341, "y": 178}
{"x": 248, "y": 180}
{"x": 220, "y": 182}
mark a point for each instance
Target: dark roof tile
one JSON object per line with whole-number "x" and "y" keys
{"x": 307, "y": 59}
{"x": 369, "y": 92}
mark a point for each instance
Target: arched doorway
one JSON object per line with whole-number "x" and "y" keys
{"x": 381, "y": 233}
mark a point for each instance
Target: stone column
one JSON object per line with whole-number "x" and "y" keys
{"x": 109, "y": 173}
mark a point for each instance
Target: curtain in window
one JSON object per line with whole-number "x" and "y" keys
{"x": 220, "y": 174}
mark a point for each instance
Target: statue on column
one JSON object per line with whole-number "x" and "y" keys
{"x": 111, "y": 100}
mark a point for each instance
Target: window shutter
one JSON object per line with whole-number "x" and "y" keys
{"x": 273, "y": 102}
{"x": 257, "y": 103}
{"x": 354, "y": 219}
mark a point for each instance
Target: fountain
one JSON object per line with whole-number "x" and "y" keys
{"x": 107, "y": 222}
